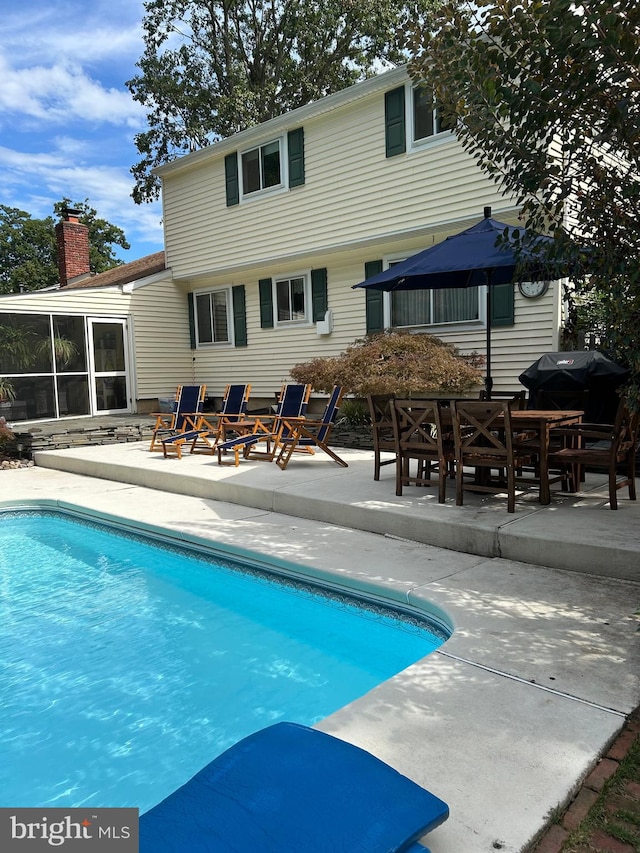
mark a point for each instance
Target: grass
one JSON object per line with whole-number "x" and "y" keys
{"x": 616, "y": 812}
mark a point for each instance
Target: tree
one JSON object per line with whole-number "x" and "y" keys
{"x": 28, "y": 252}
{"x": 211, "y": 68}
{"x": 546, "y": 96}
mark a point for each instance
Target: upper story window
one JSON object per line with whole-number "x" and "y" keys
{"x": 275, "y": 165}
{"x": 411, "y": 118}
{"x": 427, "y": 120}
{"x": 293, "y": 299}
{"x": 212, "y": 311}
{"x": 261, "y": 168}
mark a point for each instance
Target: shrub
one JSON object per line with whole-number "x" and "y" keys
{"x": 394, "y": 363}
{"x": 7, "y": 438}
{"x": 353, "y": 413}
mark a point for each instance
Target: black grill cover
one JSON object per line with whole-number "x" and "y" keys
{"x": 586, "y": 370}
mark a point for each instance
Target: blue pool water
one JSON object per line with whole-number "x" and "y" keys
{"x": 126, "y": 666}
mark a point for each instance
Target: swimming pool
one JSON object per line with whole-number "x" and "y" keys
{"x": 126, "y": 664}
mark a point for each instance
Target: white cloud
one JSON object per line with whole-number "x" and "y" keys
{"x": 61, "y": 93}
{"x": 88, "y": 32}
{"x": 66, "y": 117}
{"x": 55, "y": 176}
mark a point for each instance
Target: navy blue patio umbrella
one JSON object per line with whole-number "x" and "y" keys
{"x": 467, "y": 259}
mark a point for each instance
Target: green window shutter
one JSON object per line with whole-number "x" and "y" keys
{"x": 394, "y": 122}
{"x": 319, "y": 299}
{"x": 231, "y": 179}
{"x": 265, "y": 286}
{"x": 239, "y": 315}
{"x": 295, "y": 147}
{"x": 192, "y": 320}
{"x": 374, "y": 300}
{"x": 502, "y": 312}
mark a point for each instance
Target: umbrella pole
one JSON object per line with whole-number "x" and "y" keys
{"x": 488, "y": 381}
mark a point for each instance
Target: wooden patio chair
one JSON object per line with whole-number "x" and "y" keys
{"x": 381, "y": 430}
{"x": 483, "y": 440}
{"x": 305, "y": 433}
{"x": 602, "y": 446}
{"x": 419, "y": 437}
{"x": 187, "y": 409}
{"x": 577, "y": 399}
{"x": 554, "y": 401}
{"x": 518, "y": 399}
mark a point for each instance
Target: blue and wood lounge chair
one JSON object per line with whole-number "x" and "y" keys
{"x": 242, "y": 443}
{"x": 267, "y": 429}
{"x": 294, "y": 399}
{"x": 187, "y": 409}
{"x": 288, "y": 789}
{"x": 214, "y": 428}
{"x": 306, "y": 434}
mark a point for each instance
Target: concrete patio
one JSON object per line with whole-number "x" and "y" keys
{"x": 506, "y": 719}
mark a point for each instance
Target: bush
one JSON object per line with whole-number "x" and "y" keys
{"x": 353, "y": 413}
{"x": 394, "y": 363}
{"x": 7, "y": 439}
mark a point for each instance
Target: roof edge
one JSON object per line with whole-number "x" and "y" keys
{"x": 293, "y": 118}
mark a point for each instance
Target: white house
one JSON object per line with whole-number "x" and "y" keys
{"x": 267, "y": 231}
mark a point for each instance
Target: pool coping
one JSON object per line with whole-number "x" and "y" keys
{"x": 467, "y": 723}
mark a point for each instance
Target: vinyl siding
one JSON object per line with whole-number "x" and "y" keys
{"x": 356, "y": 205}
{"x": 161, "y": 335}
{"x": 352, "y": 194}
{"x": 82, "y": 301}
{"x": 267, "y": 360}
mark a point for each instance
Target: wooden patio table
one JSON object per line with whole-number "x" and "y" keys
{"x": 543, "y": 422}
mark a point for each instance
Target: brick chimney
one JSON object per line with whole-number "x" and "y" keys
{"x": 72, "y": 238}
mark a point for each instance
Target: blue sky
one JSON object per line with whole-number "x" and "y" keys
{"x": 67, "y": 121}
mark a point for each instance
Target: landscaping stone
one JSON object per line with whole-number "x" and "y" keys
{"x": 603, "y": 771}
{"x": 602, "y": 841}
{"x": 579, "y": 809}
{"x": 13, "y": 464}
{"x": 106, "y": 429}
{"x": 552, "y": 840}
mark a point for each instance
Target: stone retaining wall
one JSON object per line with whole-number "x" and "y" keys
{"x": 58, "y": 436}
{"x": 59, "y": 439}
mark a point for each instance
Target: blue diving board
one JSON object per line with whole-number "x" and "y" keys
{"x": 292, "y": 789}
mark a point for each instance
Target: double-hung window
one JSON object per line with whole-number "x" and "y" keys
{"x": 292, "y": 299}
{"x": 412, "y": 119}
{"x": 262, "y": 168}
{"x": 427, "y": 118}
{"x": 212, "y": 317}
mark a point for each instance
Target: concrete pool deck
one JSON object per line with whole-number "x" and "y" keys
{"x": 507, "y": 718}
